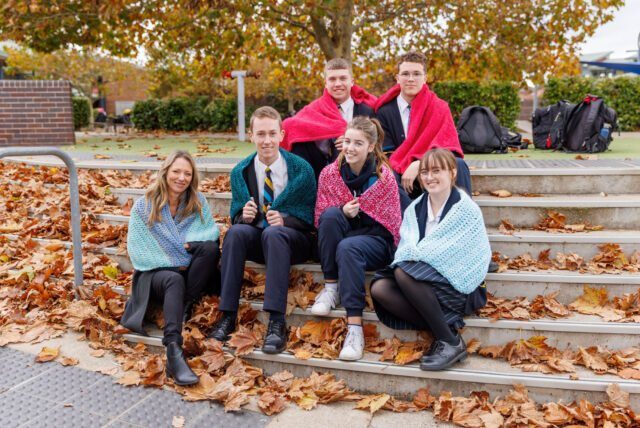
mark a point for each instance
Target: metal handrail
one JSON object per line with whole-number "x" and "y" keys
{"x": 76, "y": 233}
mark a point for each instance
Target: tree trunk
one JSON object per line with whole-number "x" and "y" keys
{"x": 333, "y": 30}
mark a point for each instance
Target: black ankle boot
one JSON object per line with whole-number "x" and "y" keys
{"x": 442, "y": 355}
{"x": 188, "y": 310}
{"x": 493, "y": 267}
{"x": 275, "y": 341}
{"x": 223, "y": 328}
{"x": 177, "y": 367}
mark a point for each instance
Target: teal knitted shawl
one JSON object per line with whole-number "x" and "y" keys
{"x": 298, "y": 199}
{"x": 162, "y": 244}
{"x": 458, "y": 247}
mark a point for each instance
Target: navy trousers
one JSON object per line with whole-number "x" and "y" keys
{"x": 463, "y": 181}
{"x": 278, "y": 247}
{"x": 173, "y": 289}
{"x": 348, "y": 258}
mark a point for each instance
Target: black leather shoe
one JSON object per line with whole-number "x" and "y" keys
{"x": 177, "y": 367}
{"x": 188, "y": 310}
{"x": 493, "y": 267}
{"x": 223, "y": 328}
{"x": 275, "y": 340}
{"x": 443, "y": 355}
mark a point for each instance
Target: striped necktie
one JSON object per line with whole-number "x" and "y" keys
{"x": 267, "y": 195}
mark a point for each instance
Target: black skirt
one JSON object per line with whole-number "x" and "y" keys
{"x": 455, "y": 305}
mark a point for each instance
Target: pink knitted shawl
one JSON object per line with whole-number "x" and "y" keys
{"x": 380, "y": 201}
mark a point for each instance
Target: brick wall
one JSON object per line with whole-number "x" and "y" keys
{"x": 35, "y": 112}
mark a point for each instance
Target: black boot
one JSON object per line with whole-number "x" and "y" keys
{"x": 275, "y": 340}
{"x": 223, "y": 328}
{"x": 188, "y": 310}
{"x": 442, "y": 355}
{"x": 177, "y": 367}
{"x": 493, "y": 267}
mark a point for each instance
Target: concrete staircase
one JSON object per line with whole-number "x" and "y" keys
{"x": 599, "y": 195}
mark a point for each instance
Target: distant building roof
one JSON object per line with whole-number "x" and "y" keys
{"x": 596, "y": 56}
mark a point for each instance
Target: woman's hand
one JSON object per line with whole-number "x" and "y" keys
{"x": 410, "y": 175}
{"x": 274, "y": 218}
{"x": 338, "y": 143}
{"x": 249, "y": 211}
{"x": 351, "y": 208}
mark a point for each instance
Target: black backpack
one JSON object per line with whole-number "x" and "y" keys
{"x": 589, "y": 126}
{"x": 548, "y": 124}
{"x": 479, "y": 131}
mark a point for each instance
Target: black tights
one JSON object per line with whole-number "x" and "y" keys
{"x": 413, "y": 301}
{"x": 175, "y": 289}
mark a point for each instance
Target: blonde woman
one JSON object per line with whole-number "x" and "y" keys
{"x": 173, "y": 245}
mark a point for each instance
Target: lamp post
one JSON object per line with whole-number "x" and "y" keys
{"x": 240, "y": 75}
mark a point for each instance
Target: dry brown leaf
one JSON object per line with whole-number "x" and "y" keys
{"x": 502, "y": 193}
{"x": 47, "y": 354}
{"x": 373, "y": 403}
{"x": 69, "y": 361}
{"x": 177, "y": 422}
{"x": 271, "y": 403}
{"x": 617, "y": 396}
{"x": 243, "y": 340}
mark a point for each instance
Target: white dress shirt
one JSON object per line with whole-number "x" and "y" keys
{"x": 405, "y": 110}
{"x": 346, "y": 109}
{"x": 279, "y": 177}
{"x": 432, "y": 220}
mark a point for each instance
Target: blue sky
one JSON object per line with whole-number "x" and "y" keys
{"x": 619, "y": 35}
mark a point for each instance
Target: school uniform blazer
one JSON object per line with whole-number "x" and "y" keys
{"x": 389, "y": 117}
{"x": 249, "y": 175}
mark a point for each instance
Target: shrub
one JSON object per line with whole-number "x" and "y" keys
{"x": 82, "y": 115}
{"x": 222, "y": 115}
{"x": 501, "y": 97}
{"x": 182, "y": 114}
{"x": 620, "y": 93}
{"x": 145, "y": 115}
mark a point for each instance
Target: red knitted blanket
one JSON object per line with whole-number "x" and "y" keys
{"x": 431, "y": 126}
{"x": 380, "y": 201}
{"x": 321, "y": 119}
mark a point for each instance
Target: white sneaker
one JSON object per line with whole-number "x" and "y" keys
{"x": 326, "y": 301}
{"x": 353, "y": 346}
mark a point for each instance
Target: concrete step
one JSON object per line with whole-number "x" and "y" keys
{"x": 577, "y": 177}
{"x": 612, "y": 211}
{"x": 476, "y": 373}
{"x": 571, "y": 332}
{"x": 581, "y": 180}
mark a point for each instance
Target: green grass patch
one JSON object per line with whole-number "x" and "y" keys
{"x": 142, "y": 145}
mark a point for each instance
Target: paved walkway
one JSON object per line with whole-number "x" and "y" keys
{"x": 48, "y": 394}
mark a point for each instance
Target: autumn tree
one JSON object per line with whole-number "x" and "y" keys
{"x": 80, "y": 66}
{"x": 463, "y": 39}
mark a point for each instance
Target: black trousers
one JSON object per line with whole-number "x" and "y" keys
{"x": 463, "y": 181}
{"x": 316, "y": 157}
{"x": 173, "y": 289}
{"x": 348, "y": 258}
{"x": 278, "y": 247}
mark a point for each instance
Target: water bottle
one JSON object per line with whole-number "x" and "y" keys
{"x": 604, "y": 132}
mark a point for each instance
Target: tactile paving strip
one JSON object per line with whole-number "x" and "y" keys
{"x": 66, "y": 417}
{"x": 15, "y": 406}
{"x": 60, "y": 383}
{"x": 108, "y": 398}
{"x": 158, "y": 410}
{"x": 17, "y": 368}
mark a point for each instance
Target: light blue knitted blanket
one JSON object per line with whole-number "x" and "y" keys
{"x": 162, "y": 245}
{"x": 458, "y": 247}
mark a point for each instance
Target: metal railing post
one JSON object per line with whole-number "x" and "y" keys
{"x": 76, "y": 233}
{"x": 240, "y": 75}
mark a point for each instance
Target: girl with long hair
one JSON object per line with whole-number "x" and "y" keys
{"x": 358, "y": 217}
